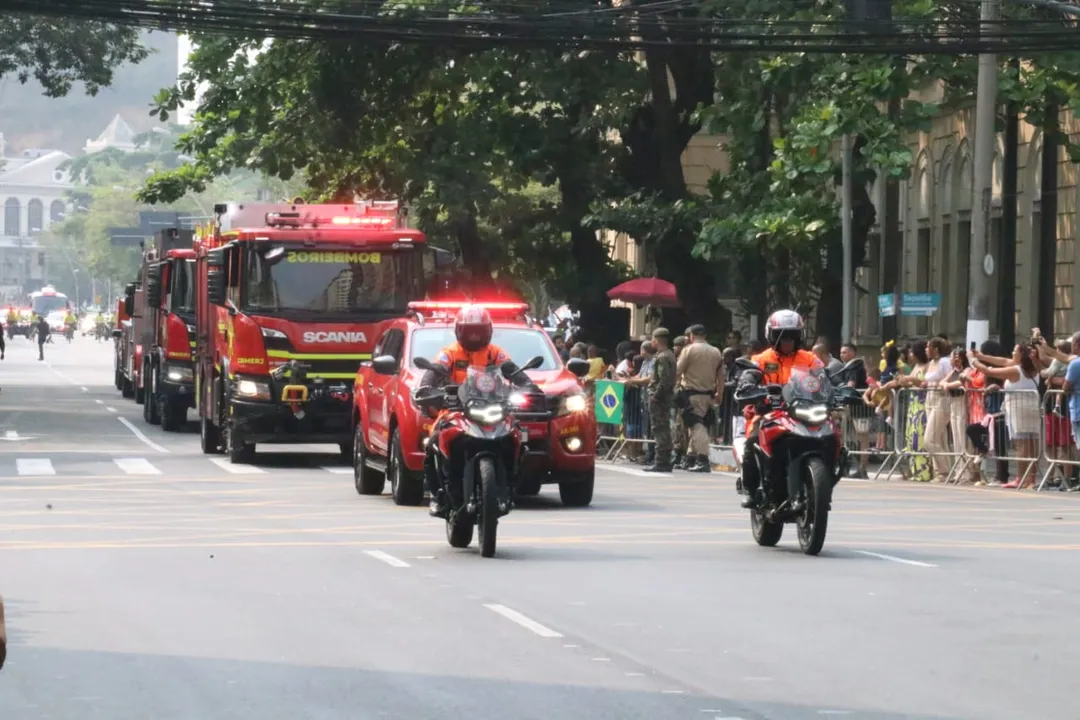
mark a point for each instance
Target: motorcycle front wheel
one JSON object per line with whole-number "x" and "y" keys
{"x": 814, "y": 521}
{"x": 489, "y": 506}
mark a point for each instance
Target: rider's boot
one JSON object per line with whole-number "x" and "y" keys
{"x": 700, "y": 464}
{"x": 439, "y": 507}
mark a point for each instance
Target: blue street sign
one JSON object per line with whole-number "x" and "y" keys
{"x": 886, "y": 304}
{"x": 919, "y": 304}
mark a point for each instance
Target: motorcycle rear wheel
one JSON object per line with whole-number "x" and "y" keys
{"x": 459, "y": 529}
{"x": 814, "y": 521}
{"x": 489, "y": 506}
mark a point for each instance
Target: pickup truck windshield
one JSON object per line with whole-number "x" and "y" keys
{"x": 334, "y": 282}
{"x": 521, "y": 344}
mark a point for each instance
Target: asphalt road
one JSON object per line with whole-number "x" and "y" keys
{"x": 143, "y": 580}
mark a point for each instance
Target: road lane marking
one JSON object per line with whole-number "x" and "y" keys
{"x": 338, "y": 470}
{"x": 85, "y": 389}
{"x": 136, "y": 466}
{"x": 34, "y": 466}
{"x": 99, "y": 401}
{"x": 110, "y": 408}
{"x": 139, "y": 434}
{"x": 893, "y": 558}
{"x": 387, "y": 558}
{"x": 224, "y": 464}
{"x": 525, "y": 622}
{"x": 11, "y": 435}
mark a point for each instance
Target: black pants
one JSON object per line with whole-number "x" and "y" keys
{"x": 41, "y": 349}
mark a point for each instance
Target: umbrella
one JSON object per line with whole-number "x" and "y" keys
{"x": 646, "y": 291}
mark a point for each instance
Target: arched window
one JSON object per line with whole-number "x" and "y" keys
{"x": 56, "y": 211}
{"x": 35, "y": 215}
{"x": 11, "y": 217}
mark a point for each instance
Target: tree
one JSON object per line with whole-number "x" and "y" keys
{"x": 499, "y": 152}
{"x": 60, "y": 52}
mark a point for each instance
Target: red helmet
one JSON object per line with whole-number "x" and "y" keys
{"x": 472, "y": 328}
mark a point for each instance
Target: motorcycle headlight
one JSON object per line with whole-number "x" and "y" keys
{"x": 573, "y": 403}
{"x": 253, "y": 390}
{"x": 487, "y": 414}
{"x": 812, "y": 415}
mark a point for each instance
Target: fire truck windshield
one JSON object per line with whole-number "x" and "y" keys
{"x": 350, "y": 282}
{"x": 182, "y": 290}
{"x": 45, "y": 304}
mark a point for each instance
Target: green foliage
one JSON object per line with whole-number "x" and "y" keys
{"x": 60, "y": 52}
{"x": 498, "y": 153}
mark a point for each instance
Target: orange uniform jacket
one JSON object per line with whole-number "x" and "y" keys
{"x": 776, "y": 370}
{"x": 457, "y": 360}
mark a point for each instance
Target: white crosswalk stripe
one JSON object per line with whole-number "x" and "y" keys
{"x": 338, "y": 470}
{"x": 34, "y": 466}
{"x": 224, "y": 464}
{"x": 136, "y": 466}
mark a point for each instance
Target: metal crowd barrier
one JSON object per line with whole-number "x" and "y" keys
{"x": 926, "y": 434}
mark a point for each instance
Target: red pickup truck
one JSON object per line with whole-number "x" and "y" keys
{"x": 390, "y": 432}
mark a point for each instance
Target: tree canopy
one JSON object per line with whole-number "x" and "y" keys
{"x": 61, "y": 52}
{"x": 517, "y": 156}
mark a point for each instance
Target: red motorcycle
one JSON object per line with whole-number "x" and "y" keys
{"x": 799, "y": 455}
{"x": 478, "y": 449}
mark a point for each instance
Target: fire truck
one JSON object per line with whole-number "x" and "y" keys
{"x": 122, "y": 320}
{"x": 128, "y": 344}
{"x": 168, "y": 337}
{"x": 289, "y": 300}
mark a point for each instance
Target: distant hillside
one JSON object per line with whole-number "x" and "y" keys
{"x": 28, "y": 119}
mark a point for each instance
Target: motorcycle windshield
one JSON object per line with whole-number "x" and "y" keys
{"x": 484, "y": 386}
{"x": 808, "y": 387}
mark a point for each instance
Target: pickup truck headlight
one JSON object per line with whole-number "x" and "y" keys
{"x": 253, "y": 390}
{"x": 573, "y": 403}
{"x": 178, "y": 373}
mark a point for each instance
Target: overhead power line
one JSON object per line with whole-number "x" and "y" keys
{"x": 671, "y": 23}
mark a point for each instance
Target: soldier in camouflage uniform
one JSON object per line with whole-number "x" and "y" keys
{"x": 681, "y": 439}
{"x": 662, "y": 400}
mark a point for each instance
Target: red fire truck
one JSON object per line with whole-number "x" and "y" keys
{"x": 169, "y": 333}
{"x": 289, "y": 300}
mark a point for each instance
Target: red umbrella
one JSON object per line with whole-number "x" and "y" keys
{"x": 646, "y": 291}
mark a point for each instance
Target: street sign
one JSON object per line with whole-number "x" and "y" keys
{"x": 608, "y": 403}
{"x": 919, "y": 304}
{"x": 886, "y": 304}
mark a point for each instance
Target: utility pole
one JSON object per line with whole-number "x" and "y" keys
{"x": 848, "y": 321}
{"x": 981, "y": 265}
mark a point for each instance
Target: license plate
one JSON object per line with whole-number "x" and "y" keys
{"x": 524, "y": 435}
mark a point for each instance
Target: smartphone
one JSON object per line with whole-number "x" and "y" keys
{"x": 973, "y": 345}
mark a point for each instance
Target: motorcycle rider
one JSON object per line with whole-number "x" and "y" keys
{"x": 70, "y": 323}
{"x": 785, "y": 332}
{"x": 473, "y": 348}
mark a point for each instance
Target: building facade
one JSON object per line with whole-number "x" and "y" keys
{"x": 33, "y": 190}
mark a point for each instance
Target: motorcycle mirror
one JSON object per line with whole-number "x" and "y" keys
{"x": 116, "y": 333}
{"x": 423, "y": 363}
{"x": 746, "y": 363}
{"x": 578, "y": 366}
{"x": 534, "y": 363}
{"x": 509, "y": 369}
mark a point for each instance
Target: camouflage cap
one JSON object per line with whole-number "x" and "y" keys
{"x": 661, "y": 333}
{"x": 680, "y": 341}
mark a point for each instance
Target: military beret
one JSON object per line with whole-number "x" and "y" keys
{"x": 661, "y": 333}
{"x": 698, "y": 329}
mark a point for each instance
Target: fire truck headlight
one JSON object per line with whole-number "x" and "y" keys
{"x": 253, "y": 390}
{"x": 573, "y": 403}
{"x": 178, "y": 373}
{"x": 272, "y": 333}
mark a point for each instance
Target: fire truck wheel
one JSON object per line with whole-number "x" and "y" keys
{"x": 140, "y": 394}
{"x": 127, "y": 388}
{"x": 208, "y": 437}
{"x": 368, "y": 481}
{"x": 119, "y": 379}
{"x": 239, "y": 452}
{"x": 406, "y": 486}
{"x": 150, "y": 403}
{"x": 173, "y": 414}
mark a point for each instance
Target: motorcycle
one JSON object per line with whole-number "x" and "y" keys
{"x": 69, "y": 332}
{"x": 800, "y": 454}
{"x": 478, "y": 449}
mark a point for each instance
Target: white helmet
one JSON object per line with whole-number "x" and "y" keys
{"x": 785, "y": 324}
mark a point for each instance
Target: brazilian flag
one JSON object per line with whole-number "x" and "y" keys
{"x": 608, "y": 404}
